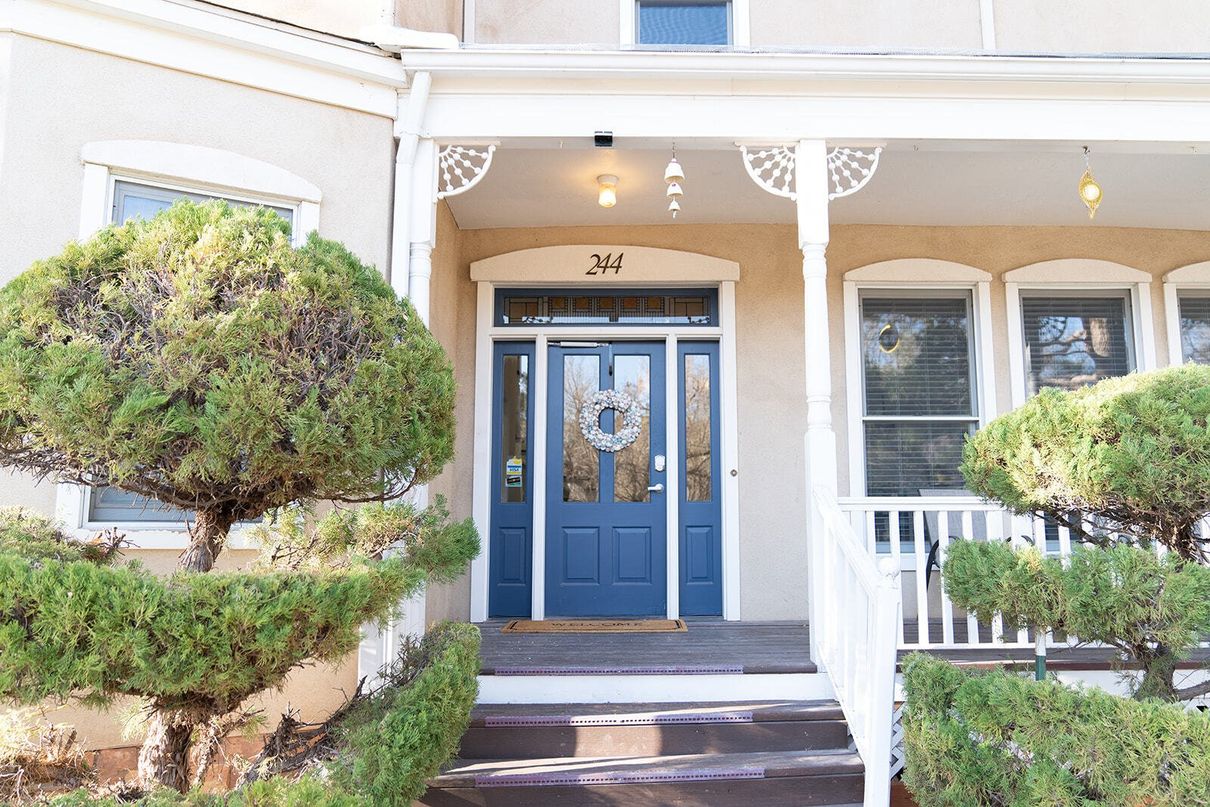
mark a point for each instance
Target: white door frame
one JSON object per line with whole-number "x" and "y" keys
{"x": 643, "y": 267}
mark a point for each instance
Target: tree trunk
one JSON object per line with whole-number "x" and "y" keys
{"x": 1159, "y": 676}
{"x": 206, "y": 539}
{"x": 164, "y": 757}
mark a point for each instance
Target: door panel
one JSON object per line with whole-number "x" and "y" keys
{"x": 510, "y": 548}
{"x": 701, "y": 546}
{"x": 609, "y": 553}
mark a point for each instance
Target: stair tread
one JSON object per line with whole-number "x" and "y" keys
{"x": 619, "y": 770}
{"x": 488, "y": 715}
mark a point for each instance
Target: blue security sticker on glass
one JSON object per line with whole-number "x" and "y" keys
{"x": 512, "y": 472}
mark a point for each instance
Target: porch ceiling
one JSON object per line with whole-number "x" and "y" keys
{"x": 956, "y": 184}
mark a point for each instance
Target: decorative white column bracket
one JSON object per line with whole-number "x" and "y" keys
{"x": 462, "y": 167}
{"x": 773, "y": 168}
{"x": 849, "y": 169}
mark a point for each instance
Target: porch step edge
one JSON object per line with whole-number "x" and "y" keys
{"x": 659, "y": 688}
{"x": 652, "y": 714}
{"x": 587, "y": 771}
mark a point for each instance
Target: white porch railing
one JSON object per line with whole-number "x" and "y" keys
{"x": 915, "y": 534}
{"x": 857, "y": 611}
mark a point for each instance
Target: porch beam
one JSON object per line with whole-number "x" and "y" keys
{"x": 784, "y": 113}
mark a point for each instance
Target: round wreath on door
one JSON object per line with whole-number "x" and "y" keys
{"x": 623, "y": 404}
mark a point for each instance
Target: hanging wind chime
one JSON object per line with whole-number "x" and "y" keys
{"x": 673, "y": 177}
{"x": 1090, "y": 189}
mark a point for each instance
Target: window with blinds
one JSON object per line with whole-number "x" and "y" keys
{"x": 1072, "y": 342}
{"x": 135, "y": 200}
{"x": 918, "y": 378}
{"x": 1195, "y": 328}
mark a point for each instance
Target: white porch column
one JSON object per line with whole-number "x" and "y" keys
{"x": 811, "y": 175}
{"x": 812, "y": 188}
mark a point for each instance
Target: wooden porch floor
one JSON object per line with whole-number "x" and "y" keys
{"x": 726, "y": 647}
{"x": 708, "y": 646}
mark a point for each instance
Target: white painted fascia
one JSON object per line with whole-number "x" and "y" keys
{"x": 395, "y": 39}
{"x": 535, "y": 63}
{"x": 217, "y": 43}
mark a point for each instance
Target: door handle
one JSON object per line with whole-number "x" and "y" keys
{"x": 658, "y": 487}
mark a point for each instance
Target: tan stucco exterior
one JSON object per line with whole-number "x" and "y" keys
{"x": 547, "y": 22}
{"x": 887, "y": 24}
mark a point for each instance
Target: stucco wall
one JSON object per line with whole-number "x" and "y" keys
{"x": 560, "y": 22}
{"x": 60, "y": 98}
{"x": 452, "y": 309}
{"x": 1103, "y": 26}
{"x": 872, "y": 24}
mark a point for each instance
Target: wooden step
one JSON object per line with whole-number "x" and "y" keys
{"x": 663, "y": 729}
{"x": 770, "y": 779}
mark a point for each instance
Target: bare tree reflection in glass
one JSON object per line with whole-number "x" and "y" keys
{"x": 632, "y": 465}
{"x": 581, "y": 462}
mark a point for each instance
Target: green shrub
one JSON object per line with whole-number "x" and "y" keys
{"x": 34, "y": 536}
{"x": 190, "y": 642}
{"x": 998, "y": 739}
{"x": 202, "y": 360}
{"x": 400, "y": 738}
{"x": 989, "y": 578}
{"x": 388, "y": 745}
{"x": 1129, "y": 455}
{"x": 1154, "y": 610}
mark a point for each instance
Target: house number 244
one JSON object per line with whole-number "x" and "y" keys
{"x": 604, "y": 264}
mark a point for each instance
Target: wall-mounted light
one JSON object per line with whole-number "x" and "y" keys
{"x": 607, "y": 190}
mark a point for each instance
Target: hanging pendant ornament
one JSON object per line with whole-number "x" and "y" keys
{"x": 673, "y": 177}
{"x": 1090, "y": 189}
{"x": 624, "y": 405}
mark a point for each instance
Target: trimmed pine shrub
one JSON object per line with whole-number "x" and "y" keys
{"x": 975, "y": 739}
{"x": 1128, "y": 455}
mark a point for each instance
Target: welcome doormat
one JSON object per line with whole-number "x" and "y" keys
{"x": 595, "y": 626}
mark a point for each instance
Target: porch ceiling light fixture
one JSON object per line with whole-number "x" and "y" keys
{"x": 674, "y": 175}
{"x": 607, "y": 190}
{"x": 1090, "y": 189}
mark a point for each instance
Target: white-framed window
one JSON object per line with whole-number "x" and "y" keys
{"x": 1075, "y": 322}
{"x": 919, "y": 396}
{"x": 1187, "y": 310}
{"x": 124, "y": 179}
{"x": 917, "y": 355}
{"x": 685, "y": 23}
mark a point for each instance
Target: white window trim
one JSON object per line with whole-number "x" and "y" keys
{"x": 1078, "y": 276}
{"x": 1194, "y": 277}
{"x": 562, "y": 266}
{"x": 181, "y": 167}
{"x": 924, "y": 275}
{"x": 741, "y": 23}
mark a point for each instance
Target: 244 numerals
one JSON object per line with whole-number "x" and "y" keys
{"x": 604, "y": 264}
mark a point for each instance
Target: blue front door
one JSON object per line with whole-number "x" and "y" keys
{"x": 607, "y": 510}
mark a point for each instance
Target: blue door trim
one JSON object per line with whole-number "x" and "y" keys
{"x": 606, "y": 558}
{"x": 510, "y": 546}
{"x": 701, "y": 524}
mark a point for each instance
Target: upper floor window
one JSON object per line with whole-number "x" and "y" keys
{"x": 1072, "y": 342}
{"x": 684, "y": 22}
{"x": 919, "y": 384}
{"x": 1195, "y": 328}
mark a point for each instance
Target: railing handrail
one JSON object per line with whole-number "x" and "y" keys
{"x": 909, "y": 504}
{"x": 858, "y": 603}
